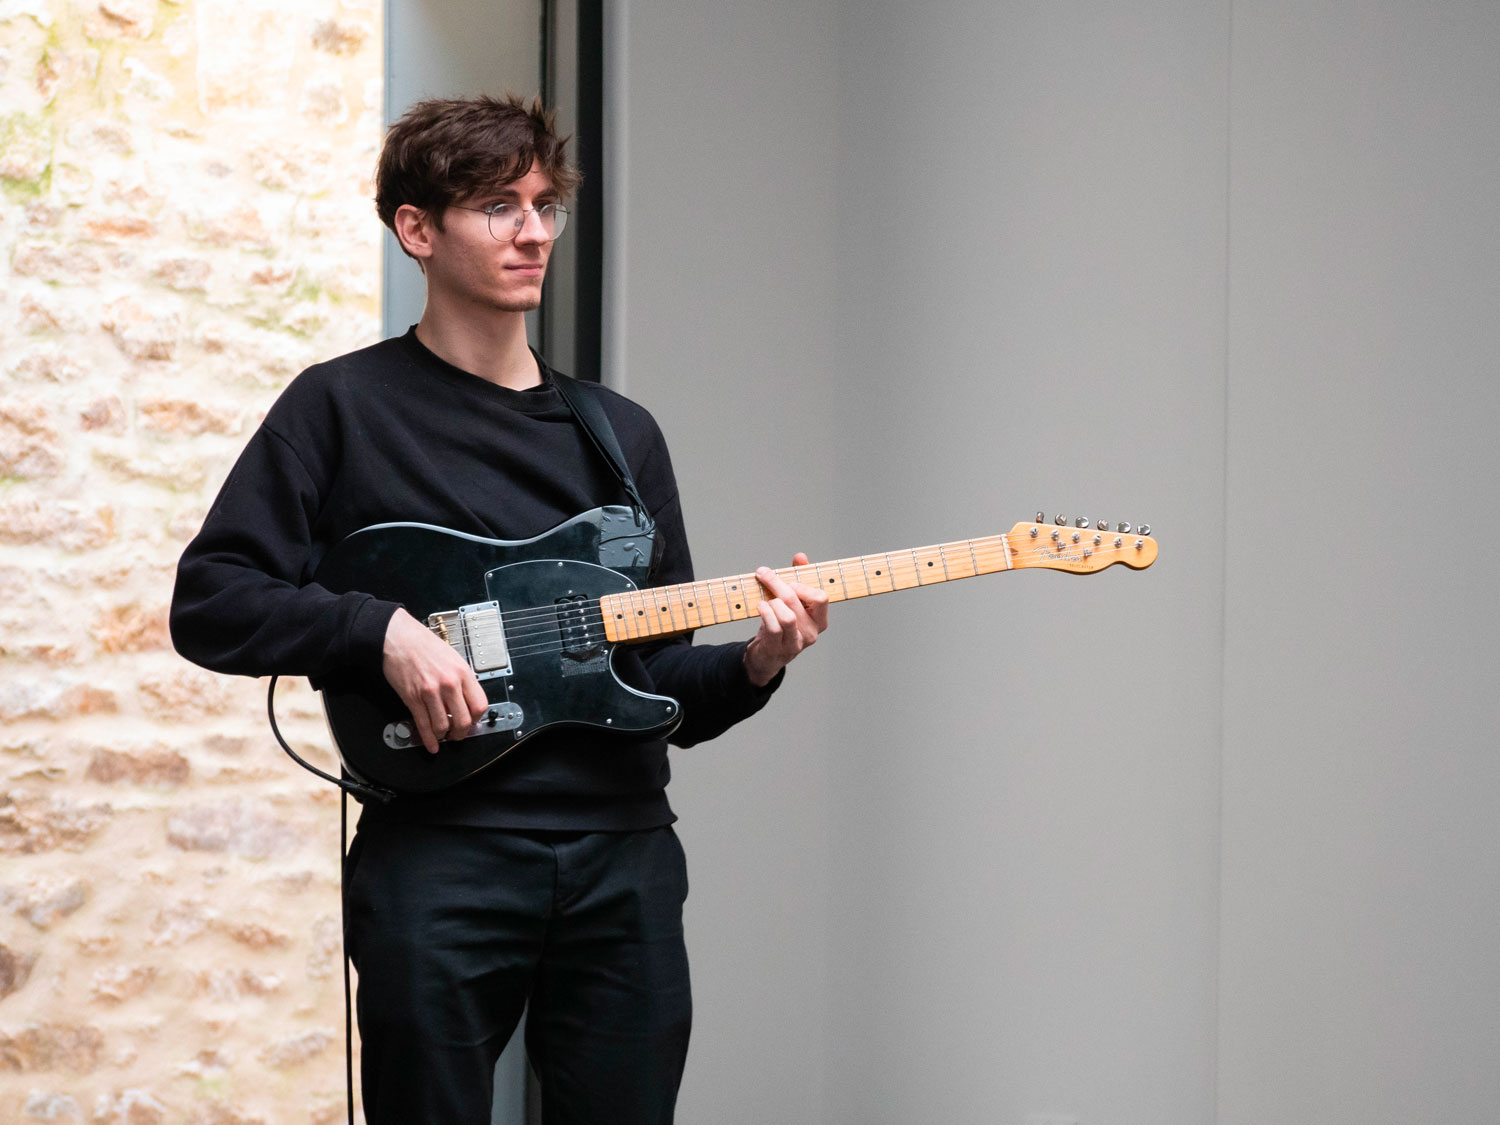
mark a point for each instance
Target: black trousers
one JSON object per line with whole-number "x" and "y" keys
{"x": 452, "y": 930}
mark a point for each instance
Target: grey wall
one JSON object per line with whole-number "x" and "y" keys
{"x": 1361, "y": 981}
{"x": 1024, "y": 862}
{"x": 1215, "y": 841}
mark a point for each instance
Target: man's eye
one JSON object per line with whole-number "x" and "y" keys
{"x": 504, "y": 210}
{"x": 544, "y": 210}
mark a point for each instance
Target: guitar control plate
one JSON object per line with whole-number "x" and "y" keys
{"x": 402, "y": 735}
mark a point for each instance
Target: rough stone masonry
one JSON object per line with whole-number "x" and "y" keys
{"x": 185, "y": 223}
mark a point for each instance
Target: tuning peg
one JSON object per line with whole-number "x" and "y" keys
{"x": 1102, "y": 525}
{"x": 1041, "y": 517}
{"x": 1123, "y": 528}
{"x": 1144, "y": 529}
{"x": 1061, "y": 521}
{"x": 1081, "y": 521}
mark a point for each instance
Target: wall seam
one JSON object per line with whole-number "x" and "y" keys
{"x": 1218, "y": 957}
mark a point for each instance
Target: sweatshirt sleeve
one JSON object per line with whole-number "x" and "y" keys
{"x": 710, "y": 683}
{"x": 244, "y": 602}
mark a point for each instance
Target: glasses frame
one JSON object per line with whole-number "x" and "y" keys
{"x": 489, "y": 216}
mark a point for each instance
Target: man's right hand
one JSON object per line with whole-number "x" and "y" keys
{"x": 436, "y": 684}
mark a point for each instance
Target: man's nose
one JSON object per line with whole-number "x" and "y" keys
{"x": 532, "y": 228}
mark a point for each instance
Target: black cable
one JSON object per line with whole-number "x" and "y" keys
{"x": 384, "y": 796}
{"x": 343, "y": 943}
{"x": 347, "y": 787}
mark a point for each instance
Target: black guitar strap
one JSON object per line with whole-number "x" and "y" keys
{"x": 593, "y": 421}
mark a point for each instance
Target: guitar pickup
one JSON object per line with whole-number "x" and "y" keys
{"x": 477, "y": 633}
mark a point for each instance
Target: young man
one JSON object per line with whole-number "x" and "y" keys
{"x": 553, "y": 875}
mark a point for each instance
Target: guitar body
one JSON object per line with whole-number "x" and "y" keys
{"x": 543, "y": 593}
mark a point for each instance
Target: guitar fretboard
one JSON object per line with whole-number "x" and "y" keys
{"x": 665, "y": 610}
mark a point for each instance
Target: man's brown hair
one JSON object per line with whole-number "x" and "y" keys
{"x": 446, "y": 150}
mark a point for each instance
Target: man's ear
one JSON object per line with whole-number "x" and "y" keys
{"x": 414, "y": 231}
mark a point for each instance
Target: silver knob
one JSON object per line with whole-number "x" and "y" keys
{"x": 1081, "y": 521}
{"x": 1054, "y": 536}
{"x": 1102, "y": 525}
{"x": 1061, "y": 521}
{"x": 1119, "y": 542}
{"x": 1144, "y": 529}
{"x": 402, "y": 731}
{"x": 1123, "y": 528}
{"x": 1075, "y": 537}
{"x": 1034, "y": 531}
{"x": 1097, "y": 539}
{"x": 1139, "y": 543}
{"x": 1041, "y": 517}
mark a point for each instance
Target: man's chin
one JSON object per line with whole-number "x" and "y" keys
{"x": 519, "y": 302}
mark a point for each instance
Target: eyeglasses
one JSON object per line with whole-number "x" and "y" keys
{"x": 507, "y": 219}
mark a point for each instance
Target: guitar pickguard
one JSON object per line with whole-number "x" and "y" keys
{"x": 551, "y": 668}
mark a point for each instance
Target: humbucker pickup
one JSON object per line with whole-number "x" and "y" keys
{"x": 477, "y": 633}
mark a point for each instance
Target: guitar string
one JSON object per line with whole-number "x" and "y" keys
{"x": 547, "y": 625}
{"x": 546, "y": 614}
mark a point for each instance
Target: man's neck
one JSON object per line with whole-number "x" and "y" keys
{"x": 494, "y": 348}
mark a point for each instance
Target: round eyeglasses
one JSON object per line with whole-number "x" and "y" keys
{"x": 507, "y": 219}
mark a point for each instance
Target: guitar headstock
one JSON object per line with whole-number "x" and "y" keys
{"x": 1078, "y": 546}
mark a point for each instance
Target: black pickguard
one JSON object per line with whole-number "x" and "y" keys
{"x": 560, "y": 671}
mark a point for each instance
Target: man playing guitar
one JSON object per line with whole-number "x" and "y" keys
{"x": 553, "y": 875}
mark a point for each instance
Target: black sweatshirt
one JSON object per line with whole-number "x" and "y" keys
{"x": 392, "y": 433}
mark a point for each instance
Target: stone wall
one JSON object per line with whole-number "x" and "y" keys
{"x": 185, "y": 223}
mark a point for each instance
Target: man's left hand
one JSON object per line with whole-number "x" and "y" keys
{"x": 791, "y": 618}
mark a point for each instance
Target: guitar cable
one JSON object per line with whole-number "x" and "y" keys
{"x": 346, "y": 786}
{"x": 384, "y": 796}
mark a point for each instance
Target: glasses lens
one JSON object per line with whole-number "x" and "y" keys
{"x": 507, "y": 220}
{"x": 503, "y": 225}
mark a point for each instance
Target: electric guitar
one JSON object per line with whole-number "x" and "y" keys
{"x": 538, "y": 620}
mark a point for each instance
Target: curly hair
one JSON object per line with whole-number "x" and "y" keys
{"x": 445, "y": 150}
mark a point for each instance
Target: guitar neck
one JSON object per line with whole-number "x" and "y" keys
{"x": 665, "y": 610}
{"x": 662, "y": 611}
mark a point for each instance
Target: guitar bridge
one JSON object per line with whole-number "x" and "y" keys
{"x": 477, "y": 633}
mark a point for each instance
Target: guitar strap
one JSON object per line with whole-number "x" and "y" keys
{"x": 593, "y": 421}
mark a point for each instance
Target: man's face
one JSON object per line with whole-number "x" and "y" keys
{"x": 473, "y": 267}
